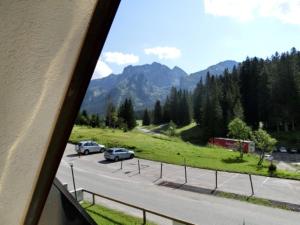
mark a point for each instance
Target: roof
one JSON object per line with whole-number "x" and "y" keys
{"x": 232, "y": 139}
{"x": 86, "y": 141}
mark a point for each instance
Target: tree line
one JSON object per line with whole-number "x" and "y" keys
{"x": 177, "y": 108}
{"x": 92, "y": 120}
{"x": 123, "y": 117}
{"x": 257, "y": 91}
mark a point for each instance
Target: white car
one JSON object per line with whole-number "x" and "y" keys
{"x": 283, "y": 149}
{"x": 87, "y": 147}
{"x": 293, "y": 150}
{"x": 269, "y": 157}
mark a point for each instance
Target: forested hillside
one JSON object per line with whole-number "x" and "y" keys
{"x": 258, "y": 91}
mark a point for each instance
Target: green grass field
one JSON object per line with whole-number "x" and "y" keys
{"x": 103, "y": 215}
{"x": 173, "y": 150}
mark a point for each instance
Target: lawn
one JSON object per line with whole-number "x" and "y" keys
{"x": 173, "y": 150}
{"x": 190, "y": 133}
{"x": 103, "y": 215}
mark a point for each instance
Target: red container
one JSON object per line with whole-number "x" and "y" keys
{"x": 248, "y": 146}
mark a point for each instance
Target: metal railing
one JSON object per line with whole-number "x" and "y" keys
{"x": 137, "y": 207}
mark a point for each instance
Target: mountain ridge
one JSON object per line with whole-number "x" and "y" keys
{"x": 144, "y": 84}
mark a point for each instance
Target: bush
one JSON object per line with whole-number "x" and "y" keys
{"x": 171, "y": 131}
{"x": 272, "y": 168}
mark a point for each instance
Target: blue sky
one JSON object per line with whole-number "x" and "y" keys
{"x": 194, "y": 34}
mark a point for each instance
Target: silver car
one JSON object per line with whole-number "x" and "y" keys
{"x": 87, "y": 147}
{"x": 117, "y": 154}
{"x": 283, "y": 149}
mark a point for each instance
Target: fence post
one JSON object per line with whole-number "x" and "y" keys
{"x": 139, "y": 166}
{"x": 144, "y": 217}
{"x": 251, "y": 184}
{"x": 93, "y": 199}
{"x": 161, "y": 165}
{"x": 185, "y": 171}
{"x": 71, "y": 165}
{"x": 216, "y": 179}
{"x": 121, "y": 164}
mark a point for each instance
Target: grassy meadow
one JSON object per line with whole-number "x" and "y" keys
{"x": 174, "y": 149}
{"x": 103, "y": 215}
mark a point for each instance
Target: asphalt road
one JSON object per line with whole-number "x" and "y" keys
{"x": 94, "y": 173}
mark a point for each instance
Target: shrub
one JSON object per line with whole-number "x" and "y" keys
{"x": 272, "y": 168}
{"x": 171, "y": 131}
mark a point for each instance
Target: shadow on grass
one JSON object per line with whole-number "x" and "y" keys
{"x": 160, "y": 129}
{"x": 103, "y": 216}
{"x": 258, "y": 168}
{"x": 88, "y": 206}
{"x": 192, "y": 135}
{"x": 233, "y": 160}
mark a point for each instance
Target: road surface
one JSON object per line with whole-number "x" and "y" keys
{"x": 95, "y": 174}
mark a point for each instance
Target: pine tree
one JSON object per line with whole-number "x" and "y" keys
{"x": 157, "y": 114}
{"x": 166, "y": 111}
{"x": 84, "y": 118}
{"x": 264, "y": 96}
{"x": 111, "y": 116}
{"x": 174, "y": 105}
{"x": 126, "y": 115}
{"x": 146, "y": 118}
{"x": 198, "y": 101}
{"x": 131, "y": 122}
{"x": 185, "y": 109}
{"x": 212, "y": 113}
{"x": 249, "y": 73}
{"x": 230, "y": 98}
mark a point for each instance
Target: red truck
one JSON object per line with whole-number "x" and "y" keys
{"x": 248, "y": 146}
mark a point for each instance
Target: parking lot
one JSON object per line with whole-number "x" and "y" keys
{"x": 149, "y": 173}
{"x": 287, "y": 157}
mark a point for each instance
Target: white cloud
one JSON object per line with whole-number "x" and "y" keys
{"x": 101, "y": 70}
{"x": 164, "y": 52}
{"x": 286, "y": 11}
{"x": 120, "y": 58}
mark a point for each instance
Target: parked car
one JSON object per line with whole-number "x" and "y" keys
{"x": 269, "y": 157}
{"x": 117, "y": 154}
{"x": 87, "y": 147}
{"x": 282, "y": 149}
{"x": 293, "y": 150}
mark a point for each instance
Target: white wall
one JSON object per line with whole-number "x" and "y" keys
{"x": 39, "y": 44}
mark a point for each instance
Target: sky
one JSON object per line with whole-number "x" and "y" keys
{"x": 195, "y": 34}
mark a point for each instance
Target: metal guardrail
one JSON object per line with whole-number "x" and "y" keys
{"x": 137, "y": 207}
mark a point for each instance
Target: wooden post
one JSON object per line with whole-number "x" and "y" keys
{"x": 144, "y": 217}
{"x": 139, "y": 166}
{"x": 93, "y": 199}
{"x": 71, "y": 165}
{"x": 252, "y": 189}
{"x": 185, "y": 174}
{"x": 161, "y": 165}
{"x": 121, "y": 164}
{"x": 216, "y": 179}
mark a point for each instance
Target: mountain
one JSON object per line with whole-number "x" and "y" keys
{"x": 144, "y": 84}
{"x": 191, "y": 81}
